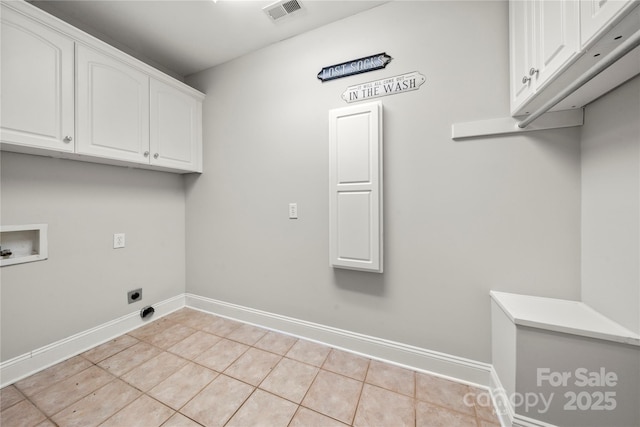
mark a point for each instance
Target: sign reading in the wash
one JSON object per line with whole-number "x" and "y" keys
{"x": 356, "y": 66}
{"x": 389, "y": 86}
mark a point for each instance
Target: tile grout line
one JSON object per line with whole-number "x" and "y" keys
{"x": 46, "y": 417}
{"x": 475, "y": 410}
{"x": 195, "y": 395}
{"x": 320, "y": 369}
{"x": 179, "y": 413}
{"x": 131, "y": 403}
{"x": 226, "y": 367}
{"x": 241, "y": 405}
{"x": 355, "y": 413}
{"x": 24, "y": 397}
{"x": 415, "y": 399}
{"x": 50, "y": 417}
{"x": 309, "y": 388}
{"x": 83, "y": 397}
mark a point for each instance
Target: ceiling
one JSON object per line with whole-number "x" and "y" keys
{"x": 182, "y": 37}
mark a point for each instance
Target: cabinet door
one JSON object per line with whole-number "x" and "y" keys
{"x": 557, "y": 37}
{"x": 521, "y": 40}
{"x": 36, "y": 85}
{"x": 113, "y": 108}
{"x": 355, "y": 182}
{"x": 176, "y": 117}
{"x": 596, "y": 15}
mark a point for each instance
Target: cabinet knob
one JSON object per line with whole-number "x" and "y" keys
{"x": 155, "y": 156}
{"x": 67, "y": 139}
{"x": 526, "y": 80}
{"x": 533, "y": 71}
{"x": 146, "y": 154}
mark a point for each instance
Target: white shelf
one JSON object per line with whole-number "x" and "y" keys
{"x": 566, "y": 316}
{"x": 27, "y": 243}
{"x": 509, "y": 125}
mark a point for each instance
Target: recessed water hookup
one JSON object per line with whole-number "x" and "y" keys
{"x": 147, "y": 311}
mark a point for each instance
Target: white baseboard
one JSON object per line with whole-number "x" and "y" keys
{"x": 27, "y": 364}
{"x": 444, "y": 365}
{"x": 522, "y": 421}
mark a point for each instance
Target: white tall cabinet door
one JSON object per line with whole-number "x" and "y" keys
{"x": 355, "y": 200}
{"x": 558, "y": 36}
{"x": 596, "y": 15}
{"x": 544, "y": 38}
{"x": 36, "y": 85}
{"x": 175, "y": 135}
{"x": 521, "y": 50}
{"x": 112, "y": 108}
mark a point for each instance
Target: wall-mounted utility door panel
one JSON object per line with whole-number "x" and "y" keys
{"x": 113, "y": 108}
{"x": 37, "y": 84}
{"x": 355, "y": 199}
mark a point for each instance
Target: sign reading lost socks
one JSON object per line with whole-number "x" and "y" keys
{"x": 356, "y": 66}
{"x": 389, "y": 86}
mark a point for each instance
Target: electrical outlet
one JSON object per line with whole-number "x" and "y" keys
{"x": 134, "y": 295}
{"x": 293, "y": 211}
{"x": 118, "y": 240}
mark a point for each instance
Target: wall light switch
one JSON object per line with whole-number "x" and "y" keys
{"x": 293, "y": 211}
{"x": 118, "y": 240}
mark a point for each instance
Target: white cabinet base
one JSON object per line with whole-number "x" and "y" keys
{"x": 561, "y": 352}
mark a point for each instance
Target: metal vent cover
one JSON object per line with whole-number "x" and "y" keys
{"x": 280, "y": 9}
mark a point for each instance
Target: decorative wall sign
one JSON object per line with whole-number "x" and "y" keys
{"x": 389, "y": 86}
{"x": 356, "y": 66}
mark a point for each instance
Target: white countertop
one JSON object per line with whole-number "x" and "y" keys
{"x": 571, "y": 317}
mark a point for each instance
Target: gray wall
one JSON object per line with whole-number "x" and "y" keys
{"x": 611, "y": 205}
{"x": 461, "y": 218}
{"x": 84, "y": 282}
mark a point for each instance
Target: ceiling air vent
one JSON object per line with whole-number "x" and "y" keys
{"x": 280, "y": 9}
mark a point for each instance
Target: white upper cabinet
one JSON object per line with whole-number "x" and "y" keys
{"x": 175, "y": 130}
{"x": 521, "y": 45}
{"x": 558, "y": 36}
{"x": 37, "y": 85}
{"x": 113, "y": 108}
{"x": 67, "y": 94}
{"x": 548, "y": 42}
{"x": 597, "y": 15}
{"x": 544, "y": 38}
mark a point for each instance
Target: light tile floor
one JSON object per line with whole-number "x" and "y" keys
{"x": 195, "y": 369}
